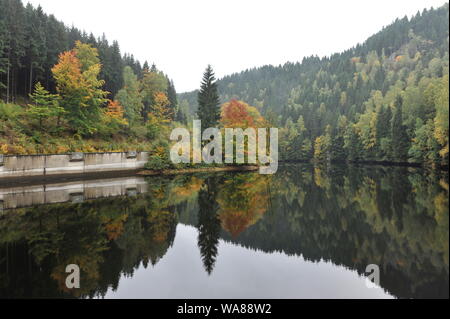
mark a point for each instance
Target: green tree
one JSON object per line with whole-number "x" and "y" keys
{"x": 45, "y": 105}
{"x": 36, "y": 51}
{"x": 172, "y": 96}
{"x": 130, "y": 97}
{"x": 383, "y": 133}
{"x": 353, "y": 145}
{"x": 208, "y": 100}
{"x": 153, "y": 82}
{"x": 322, "y": 146}
{"x": 424, "y": 147}
{"x": 4, "y": 62}
{"x": 13, "y": 14}
{"x": 400, "y": 139}
{"x": 441, "y": 121}
{"x": 338, "y": 143}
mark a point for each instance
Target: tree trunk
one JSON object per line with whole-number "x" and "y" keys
{"x": 7, "y": 86}
{"x": 31, "y": 77}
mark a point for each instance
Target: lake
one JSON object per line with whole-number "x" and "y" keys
{"x": 305, "y": 232}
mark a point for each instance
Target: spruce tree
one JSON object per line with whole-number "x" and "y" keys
{"x": 400, "y": 140}
{"x": 172, "y": 96}
{"x": 353, "y": 145}
{"x": 3, "y": 59}
{"x": 208, "y": 100}
{"x": 44, "y": 106}
{"x": 383, "y": 130}
{"x": 337, "y": 147}
{"x": 146, "y": 67}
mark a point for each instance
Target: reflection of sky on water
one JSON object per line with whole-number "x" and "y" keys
{"x": 240, "y": 273}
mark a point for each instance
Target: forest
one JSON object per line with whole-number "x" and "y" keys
{"x": 385, "y": 100}
{"x": 63, "y": 90}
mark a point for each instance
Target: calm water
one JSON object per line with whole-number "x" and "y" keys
{"x": 304, "y": 233}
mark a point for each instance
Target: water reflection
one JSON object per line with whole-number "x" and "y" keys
{"x": 245, "y": 230}
{"x": 208, "y": 223}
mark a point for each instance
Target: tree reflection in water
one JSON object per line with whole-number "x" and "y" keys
{"x": 393, "y": 217}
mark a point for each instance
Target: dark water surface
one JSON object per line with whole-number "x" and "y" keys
{"x": 306, "y": 232}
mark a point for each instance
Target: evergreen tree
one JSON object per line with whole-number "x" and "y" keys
{"x": 208, "y": 100}
{"x": 353, "y": 144}
{"x": 383, "y": 133}
{"x": 13, "y": 13}
{"x": 172, "y": 96}
{"x": 4, "y": 62}
{"x": 146, "y": 67}
{"x": 180, "y": 116}
{"x": 45, "y": 105}
{"x": 36, "y": 48}
{"x": 400, "y": 139}
{"x": 338, "y": 143}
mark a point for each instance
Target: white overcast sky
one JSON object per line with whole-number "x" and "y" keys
{"x": 182, "y": 36}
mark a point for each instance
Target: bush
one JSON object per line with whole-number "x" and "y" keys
{"x": 159, "y": 158}
{"x": 10, "y": 111}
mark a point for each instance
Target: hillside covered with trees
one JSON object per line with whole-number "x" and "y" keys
{"x": 64, "y": 90}
{"x": 386, "y": 100}
{"x": 383, "y": 100}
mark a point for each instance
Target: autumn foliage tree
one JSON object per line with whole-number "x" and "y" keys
{"x": 114, "y": 110}
{"x": 152, "y": 83}
{"x": 115, "y": 114}
{"x": 77, "y": 83}
{"x": 160, "y": 108}
{"x": 238, "y": 114}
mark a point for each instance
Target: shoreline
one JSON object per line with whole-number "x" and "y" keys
{"x": 370, "y": 163}
{"x": 44, "y": 179}
{"x": 149, "y": 172}
{"x": 18, "y": 181}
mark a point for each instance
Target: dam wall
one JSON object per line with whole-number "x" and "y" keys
{"x": 73, "y": 163}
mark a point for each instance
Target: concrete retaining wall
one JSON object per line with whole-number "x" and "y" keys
{"x": 77, "y": 163}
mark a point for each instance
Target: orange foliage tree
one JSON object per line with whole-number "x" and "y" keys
{"x": 160, "y": 108}
{"x": 77, "y": 83}
{"x": 115, "y": 111}
{"x": 239, "y": 114}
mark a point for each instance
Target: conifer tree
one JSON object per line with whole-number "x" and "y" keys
{"x": 3, "y": 59}
{"x": 208, "y": 100}
{"x": 172, "y": 96}
{"x": 383, "y": 130}
{"x": 145, "y": 68}
{"x": 45, "y": 105}
{"x": 400, "y": 140}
